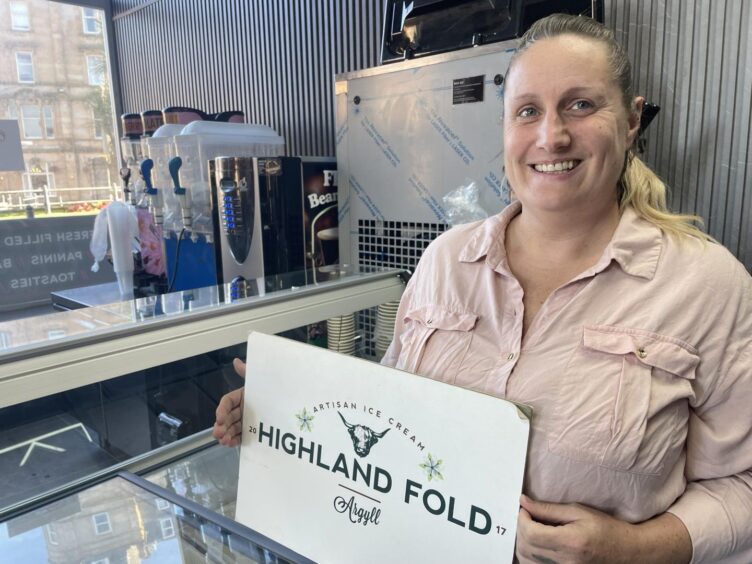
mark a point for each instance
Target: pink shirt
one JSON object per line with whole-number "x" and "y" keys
{"x": 639, "y": 371}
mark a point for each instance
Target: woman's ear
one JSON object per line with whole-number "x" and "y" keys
{"x": 634, "y": 119}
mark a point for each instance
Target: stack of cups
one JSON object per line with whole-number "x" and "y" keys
{"x": 341, "y": 334}
{"x": 384, "y": 330}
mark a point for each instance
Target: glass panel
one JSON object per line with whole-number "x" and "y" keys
{"x": 32, "y": 123}
{"x": 19, "y": 16}
{"x": 49, "y": 122}
{"x": 49, "y": 442}
{"x": 95, "y": 67}
{"x": 91, "y": 21}
{"x": 64, "y": 531}
{"x": 61, "y": 74}
{"x": 24, "y": 67}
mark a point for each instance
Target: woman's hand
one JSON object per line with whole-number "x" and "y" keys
{"x": 228, "y": 426}
{"x": 562, "y": 533}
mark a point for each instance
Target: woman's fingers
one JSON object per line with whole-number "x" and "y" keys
{"x": 239, "y": 367}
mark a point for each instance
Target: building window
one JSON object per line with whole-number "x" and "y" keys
{"x": 36, "y": 183}
{"x": 162, "y": 504}
{"x": 19, "y": 16}
{"x": 48, "y": 118}
{"x": 5, "y": 340}
{"x": 91, "y": 21}
{"x": 98, "y": 127}
{"x": 101, "y": 523}
{"x": 95, "y": 68}
{"x": 168, "y": 529}
{"x": 31, "y": 116}
{"x": 104, "y": 560}
{"x": 52, "y": 535}
{"x": 24, "y": 67}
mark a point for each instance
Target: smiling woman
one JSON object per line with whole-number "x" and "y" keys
{"x": 588, "y": 300}
{"x": 624, "y": 326}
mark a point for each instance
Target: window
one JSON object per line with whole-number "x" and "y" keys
{"x": 162, "y": 504}
{"x": 98, "y": 127}
{"x": 31, "y": 117}
{"x": 91, "y": 21}
{"x": 24, "y": 67}
{"x": 48, "y": 119}
{"x": 101, "y": 523}
{"x": 52, "y": 535}
{"x": 59, "y": 334}
{"x": 5, "y": 340}
{"x": 19, "y": 16}
{"x": 104, "y": 560}
{"x": 95, "y": 68}
{"x": 168, "y": 529}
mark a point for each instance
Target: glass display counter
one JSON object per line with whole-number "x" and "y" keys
{"x": 127, "y": 386}
{"x": 128, "y": 519}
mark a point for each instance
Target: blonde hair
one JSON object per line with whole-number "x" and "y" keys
{"x": 638, "y": 186}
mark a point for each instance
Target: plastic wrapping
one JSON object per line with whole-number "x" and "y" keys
{"x": 119, "y": 222}
{"x": 462, "y": 205}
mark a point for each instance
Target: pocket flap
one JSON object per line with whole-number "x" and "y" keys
{"x": 651, "y": 349}
{"x": 439, "y": 317}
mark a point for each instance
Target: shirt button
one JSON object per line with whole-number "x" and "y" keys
{"x": 510, "y": 356}
{"x": 641, "y": 352}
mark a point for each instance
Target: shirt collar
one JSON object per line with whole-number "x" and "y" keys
{"x": 635, "y": 247}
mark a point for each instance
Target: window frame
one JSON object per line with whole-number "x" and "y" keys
{"x": 171, "y": 527}
{"x": 48, "y": 122}
{"x": 102, "y": 75}
{"x": 89, "y": 18}
{"x": 30, "y": 63}
{"x": 13, "y": 16}
{"x": 107, "y": 522}
{"x": 23, "y": 117}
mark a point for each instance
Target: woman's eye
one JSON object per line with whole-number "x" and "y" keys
{"x": 582, "y": 105}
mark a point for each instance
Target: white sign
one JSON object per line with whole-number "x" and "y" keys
{"x": 344, "y": 460}
{"x": 11, "y": 154}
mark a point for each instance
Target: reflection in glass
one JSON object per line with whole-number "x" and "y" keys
{"x": 118, "y": 521}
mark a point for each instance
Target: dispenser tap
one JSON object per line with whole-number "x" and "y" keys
{"x": 155, "y": 197}
{"x": 185, "y": 204}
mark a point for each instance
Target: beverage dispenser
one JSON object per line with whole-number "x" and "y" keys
{"x": 192, "y": 251}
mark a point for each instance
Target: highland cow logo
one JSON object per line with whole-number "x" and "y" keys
{"x": 362, "y": 437}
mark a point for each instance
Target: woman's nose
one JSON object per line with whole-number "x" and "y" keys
{"x": 553, "y": 134}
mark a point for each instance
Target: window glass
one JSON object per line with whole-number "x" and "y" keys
{"x": 24, "y": 67}
{"x": 56, "y": 84}
{"x": 90, "y": 18}
{"x": 168, "y": 529}
{"x": 95, "y": 68}
{"x": 49, "y": 122}
{"x": 32, "y": 123}
{"x": 102, "y": 523}
{"x": 19, "y": 16}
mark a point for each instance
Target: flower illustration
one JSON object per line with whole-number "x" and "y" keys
{"x": 304, "y": 418}
{"x": 432, "y": 468}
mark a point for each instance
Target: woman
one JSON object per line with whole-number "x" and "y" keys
{"x": 623, "y": 326}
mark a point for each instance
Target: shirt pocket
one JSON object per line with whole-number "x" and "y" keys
{"x": 622, "y": 400}
{"x": 435, "y": 341}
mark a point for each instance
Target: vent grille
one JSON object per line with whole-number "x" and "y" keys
{"x": 389, "y": 244}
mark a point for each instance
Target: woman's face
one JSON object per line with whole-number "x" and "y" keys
{"x": 566, "y": 130}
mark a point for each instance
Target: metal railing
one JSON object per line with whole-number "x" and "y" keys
{"x": 48, "y": 198}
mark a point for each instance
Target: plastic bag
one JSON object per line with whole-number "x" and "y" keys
{"x": 462, "y": 205}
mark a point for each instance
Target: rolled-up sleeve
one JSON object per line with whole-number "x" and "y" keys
{"x": 716, "y": 507}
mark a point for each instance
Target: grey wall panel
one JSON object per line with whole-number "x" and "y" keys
{"x": 694, "y": 59}
{"x": 273, "y": 59}
{"x": 276, "y": 61}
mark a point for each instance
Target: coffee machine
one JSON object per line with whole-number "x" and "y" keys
{"x": 275, "y": 222}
